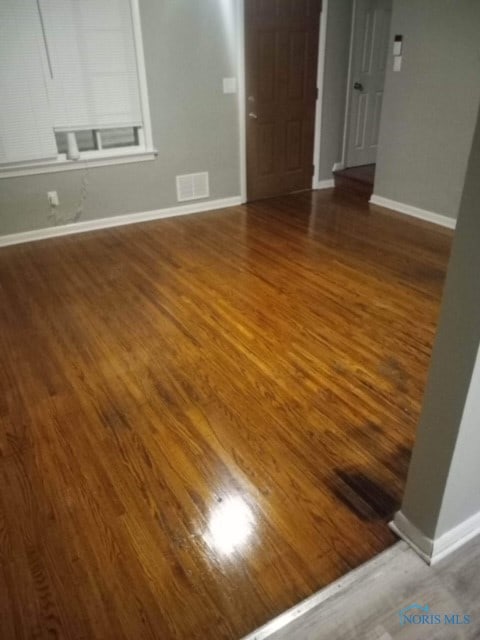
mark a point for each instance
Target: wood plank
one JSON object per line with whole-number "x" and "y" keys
{"x": 205, "y": 420}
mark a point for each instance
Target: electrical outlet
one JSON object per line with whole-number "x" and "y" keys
{"x": 53, "y": 198}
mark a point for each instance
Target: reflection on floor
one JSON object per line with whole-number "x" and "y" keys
{"x": 206, "y": 419}
{"x": 358, "y": 180}
{"x": 375, "y": 602}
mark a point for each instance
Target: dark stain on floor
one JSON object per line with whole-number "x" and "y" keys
{"x": 362, "y": 495}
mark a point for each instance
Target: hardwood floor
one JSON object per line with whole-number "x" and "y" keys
{"x": 206, "y": 419}
{"x": 358, "y": 180}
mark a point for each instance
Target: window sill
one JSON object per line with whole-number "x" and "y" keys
{"x": 124, "y": 157}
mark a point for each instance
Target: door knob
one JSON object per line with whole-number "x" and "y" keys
{"x": 358, "y": 86}
{"x": 253, "y": 116}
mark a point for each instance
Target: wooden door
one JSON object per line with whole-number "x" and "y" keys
{"x": 281, "y": 51}
{"x": 369, "y": 55}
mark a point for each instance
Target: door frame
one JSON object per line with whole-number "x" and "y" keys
{"x": 322, "y": 48}
{"x": 242, "y": 111}
{"x": 348, "y": 95}
{"x": 241, "y": 92}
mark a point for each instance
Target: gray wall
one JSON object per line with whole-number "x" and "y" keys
{"x": 443, "y": 486}
{"x": 335, "y": 84}
{"x": 188, "y": 50}
{"x": 430, "y": 107}
{"x": 462, "y": 493}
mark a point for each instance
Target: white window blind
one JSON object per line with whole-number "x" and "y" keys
{"x": 25, "y": 117}
{"x": 92, "y": 80}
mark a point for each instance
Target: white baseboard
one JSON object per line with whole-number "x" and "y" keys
{"x": 325, "y": 184}
{"x": 117, "y": 221}
{"x": 419, "y": 542}
{"x": 415, "y": 212}
{"x": 434, "y": 550}
{"x": 338, "y": 166}
{"x": 456, "y": 537}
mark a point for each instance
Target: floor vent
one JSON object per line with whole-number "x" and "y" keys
{"x": 192, "y": 186}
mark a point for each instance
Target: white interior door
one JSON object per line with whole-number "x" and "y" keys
{"x": 371, "y": 25}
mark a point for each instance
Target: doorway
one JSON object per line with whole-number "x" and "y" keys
{"x": 281, "y": 53}
{"x": 368, "y": 59}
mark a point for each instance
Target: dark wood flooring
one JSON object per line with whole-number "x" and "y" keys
{"x": 206, "y": 419}
{"x": 358, "y": 180}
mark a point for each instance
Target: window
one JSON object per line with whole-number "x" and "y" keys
{"x": 72, "y": 85}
